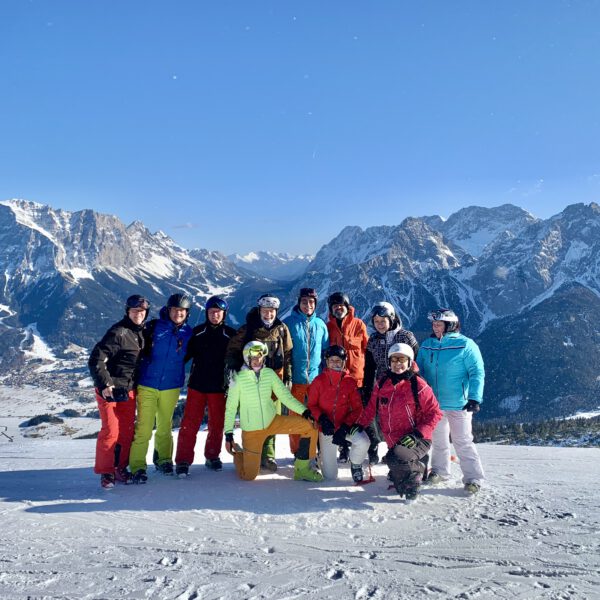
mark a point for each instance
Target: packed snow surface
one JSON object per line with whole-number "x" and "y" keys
{"x": 533, "y": 532}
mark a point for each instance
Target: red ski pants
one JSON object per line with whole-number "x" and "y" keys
{"x": 195, "y": 405}
{"x": 116, "y": 433}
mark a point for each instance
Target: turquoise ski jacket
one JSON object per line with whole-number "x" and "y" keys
{"x": 453, "y": 367}
{"x": 310, "y": 338}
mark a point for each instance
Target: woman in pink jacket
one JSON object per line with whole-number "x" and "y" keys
{"x": 407, "y": 413}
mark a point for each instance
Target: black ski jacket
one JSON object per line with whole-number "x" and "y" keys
{"x": 207, "y": 348}
{"x": 114, "y": 359}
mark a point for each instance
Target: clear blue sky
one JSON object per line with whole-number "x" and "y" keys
{"x": 273, "y": 124}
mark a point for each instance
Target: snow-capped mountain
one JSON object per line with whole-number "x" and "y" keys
{"x": 528, "y": 290}
{"x": 273, "y": 265}
{"x": 66, "y": 271}
{"x": 504, "y": 272}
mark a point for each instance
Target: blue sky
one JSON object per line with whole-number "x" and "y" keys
{"x": 271, "y": 124}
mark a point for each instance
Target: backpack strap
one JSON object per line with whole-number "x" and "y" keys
{"x": 414, "y": 384}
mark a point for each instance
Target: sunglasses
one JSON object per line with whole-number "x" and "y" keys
{"x": 399, "y": 359}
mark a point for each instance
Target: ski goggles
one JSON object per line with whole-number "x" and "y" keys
{"x": 138, "y": 302}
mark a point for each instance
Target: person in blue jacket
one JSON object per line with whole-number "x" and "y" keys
{"x": 162, "y": 374}
{"x": 452, "y": 365}
{"x": 310, "y": 338}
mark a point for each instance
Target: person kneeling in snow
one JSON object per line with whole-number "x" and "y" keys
{"x": 250, "y": 394}
{"x": 334, "y": 400}
{"x": 407, "y": 413}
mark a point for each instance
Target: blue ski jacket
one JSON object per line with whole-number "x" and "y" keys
{"x": 163, "y": 364}
{"x": 310, "y": 338}
{"x": 453, "y": 367}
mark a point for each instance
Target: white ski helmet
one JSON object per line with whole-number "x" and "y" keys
{"x": 403, "y": 349}
{"x": 445, "y": 315}
{"x": 268, "y": 301}
{"x": 253, "y": 349}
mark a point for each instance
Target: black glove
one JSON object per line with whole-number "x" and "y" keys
{"x": 326, "y": 425}
{"x": 356, "y": 428}
{"x": 229, "y": 437}
{"x": 308, "y": 416}
{"x": 471, "y": 406}
{"x": 339, "y": 437}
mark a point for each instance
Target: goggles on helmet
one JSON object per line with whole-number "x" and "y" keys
{"x": 268, "y": 302}
{"x": 216, "y": 302}
{"x": 443, "y": 314}
{"x": 137, "y": 302}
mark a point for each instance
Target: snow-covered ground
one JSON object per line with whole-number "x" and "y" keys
{"x": 534, "y": 532}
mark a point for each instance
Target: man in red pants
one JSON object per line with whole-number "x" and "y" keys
{"x": 205, "y": 388}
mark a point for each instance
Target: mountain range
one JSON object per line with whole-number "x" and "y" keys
{"x": 526, "y": 289}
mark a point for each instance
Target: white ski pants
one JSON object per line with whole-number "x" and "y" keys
{"x": 328, "y": 452}
{"x": 456, "y": 423}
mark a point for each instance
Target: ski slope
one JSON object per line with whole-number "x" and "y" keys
{"x": 534, "y": 532}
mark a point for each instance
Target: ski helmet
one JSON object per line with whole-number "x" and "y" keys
{"x": 446, "y": 315}
{"x": 383, "y": 309}
{"x": 338, "y": 298}
{"x": 335, "y": 351}
{"x": 268, "y": 301}
{"x": 137, "y": 301}
{"x": 179, "y": 301}
{"x": 404, "y": 350}
{"x": 308, "y": 293}
{"x": 253, "y": 349}
{"x": 217, "y": 302}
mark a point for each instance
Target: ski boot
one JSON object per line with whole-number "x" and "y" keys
{"x": 357, "y": 472}
{"x": 411, "y": 495}
{"x": 182, "y": 470}
{"x": 268, "y": 464}
{"x": 166, "y": 468}
{"x": 140, "y": 477}
{"x": 303, "y": 471}
{"x": 214, "y": 464}
{"x": 433, "y": 478}
{"x": 107, "y": 481}
{"x": 123, "y": 476}
{"x": 472, "y": 488}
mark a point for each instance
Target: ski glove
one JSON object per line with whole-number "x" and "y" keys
{"x": 408, "y": 441}
{"x": 356, "y": 428}
{"x": 308, "y": 416}
{"x": 471, "y": 406}
{"x": 229, "y": 443}
{"x": 339, "y": 437}
{"x": 326, "y": 425}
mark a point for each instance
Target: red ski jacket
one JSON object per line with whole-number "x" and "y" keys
{"x": 335, "y": 394}
{"x": 397, "y": 412}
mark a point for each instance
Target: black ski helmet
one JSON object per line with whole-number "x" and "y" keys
{"x": 217, "y": 302}
{"x": 335, "y": 351}
{"x": 308, "y": 293}
{"x": 179, "y": 301}
{"x": 338, "y": 298}
{"x": 137, "y": 301}
{"x": 384, "y": 309}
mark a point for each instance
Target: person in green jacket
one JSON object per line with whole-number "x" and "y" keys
{"x": 250, "y": 394}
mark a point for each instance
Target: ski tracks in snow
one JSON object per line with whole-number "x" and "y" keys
{"x": 531, "y": 533}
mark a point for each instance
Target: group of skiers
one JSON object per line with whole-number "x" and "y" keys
{"x": 328, "y": 386}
